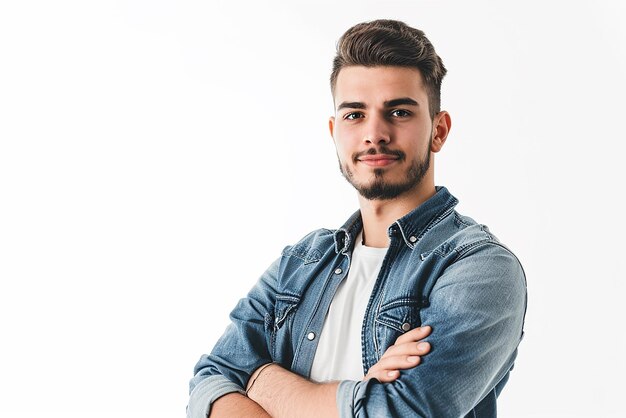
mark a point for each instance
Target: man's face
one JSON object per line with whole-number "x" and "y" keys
{"x": 382, "y": 129}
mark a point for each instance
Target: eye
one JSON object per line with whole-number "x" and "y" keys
{"x": 400, "y": 113}
{"x": 353, "y": 116}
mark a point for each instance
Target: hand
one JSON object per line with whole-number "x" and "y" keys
{"x": 404, "y": 354}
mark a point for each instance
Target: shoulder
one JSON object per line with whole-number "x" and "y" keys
{"x": 312, "y": 246}
{"x": 464, "y": 236}
{"x": 471, "y": 250}
{"x": 479, "y": 279}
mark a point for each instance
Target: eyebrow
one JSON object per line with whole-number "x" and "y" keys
{"x": 401, "y": 101}
{"x": 388, "y": 103}
{"x": 351, "y": 105}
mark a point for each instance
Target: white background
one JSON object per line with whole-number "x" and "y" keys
{"x": 156, "y": 156}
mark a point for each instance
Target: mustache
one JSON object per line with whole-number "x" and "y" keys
{"x": 379, "y": 151}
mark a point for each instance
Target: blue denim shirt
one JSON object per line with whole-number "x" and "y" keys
{"x": 441, "y": 269}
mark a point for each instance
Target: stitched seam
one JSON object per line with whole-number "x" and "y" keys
{"x": 288, "y": 298}
{"x": 435, "y": 222}
{"x": 306, "y": 254}
{"x": 484, "y": 229}
{"x": 389, "y": 324}
{"x": 399, "y": 302}
{"x": 460, "y": 220}
{"x": 297, "y": 355}
{"x": 303, "y": 257}
{"x": 463, "y": 249}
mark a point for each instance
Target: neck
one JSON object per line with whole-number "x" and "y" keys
{"x": 378, "y": 215}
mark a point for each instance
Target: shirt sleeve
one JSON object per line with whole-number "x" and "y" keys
{"x": 240, "y": 350}
{"x": 476, "y": 312}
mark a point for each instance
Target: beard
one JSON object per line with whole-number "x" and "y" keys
{"x": 382, "y": 189}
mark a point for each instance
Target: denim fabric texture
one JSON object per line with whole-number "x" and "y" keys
{"x": 441, "y": 269}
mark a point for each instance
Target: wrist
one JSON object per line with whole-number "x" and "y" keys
{"x": 283, "y": 393}
{"x": 269, "y": 387}
{"x": 255, "y": 376}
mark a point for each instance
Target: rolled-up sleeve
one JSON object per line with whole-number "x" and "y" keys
{"x": 206, "y": 392}
{"x": 240, "y": 350}
{"x": 476, "y": 312}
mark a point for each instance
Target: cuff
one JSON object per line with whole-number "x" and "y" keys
{"x": 206, "y": 392}
{"x": 350, "y": 396}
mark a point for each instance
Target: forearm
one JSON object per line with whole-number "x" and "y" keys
{"x": 236, "y": 405}
{"x": 285, "y": 394}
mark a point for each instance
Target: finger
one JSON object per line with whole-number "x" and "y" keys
{"x": 414, "y": 335}
{"x": 388, "y": 369}
{"x": 409, "y": 349}
{"x": 383, "y": 376}
{"x": 386, "y": 364}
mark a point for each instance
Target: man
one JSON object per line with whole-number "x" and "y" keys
{"x": 408, "y": 309}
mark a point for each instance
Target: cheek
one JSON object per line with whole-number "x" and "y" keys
{"x": 343, "y": 144}
{"x": 343, "y": 154}
{"x": 420, "y": 139}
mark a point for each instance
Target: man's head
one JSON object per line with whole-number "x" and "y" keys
{"x": 386, "y": 81}
{"x": 394, "y": 44}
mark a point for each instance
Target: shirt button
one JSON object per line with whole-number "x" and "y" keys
{"x": 412, "y": 238}
{"x": 406, "y": 326}
{"x": 310, "y": 336}
{"x": 338, "y": 271}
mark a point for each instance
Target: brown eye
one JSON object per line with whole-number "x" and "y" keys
{"x": 353, "y": 116}
{"x": 400, "y": 113}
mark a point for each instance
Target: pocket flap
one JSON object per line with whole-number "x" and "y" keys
{"x": 401, "y": 315}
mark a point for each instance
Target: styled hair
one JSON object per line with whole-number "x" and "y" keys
{"x": 391, "y": 43}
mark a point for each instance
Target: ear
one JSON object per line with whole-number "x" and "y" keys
{"x": 331, "y": 127}
{"x": 441, "y": 128}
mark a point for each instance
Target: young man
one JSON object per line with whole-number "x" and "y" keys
{"x": 409, "y": 309}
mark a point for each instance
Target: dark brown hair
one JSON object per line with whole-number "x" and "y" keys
{"x": 391, "y": 43}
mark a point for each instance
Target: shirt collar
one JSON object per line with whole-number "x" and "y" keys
{"x": 411, "y": 226}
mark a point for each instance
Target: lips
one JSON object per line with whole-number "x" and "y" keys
{"x": 378, "y": 160}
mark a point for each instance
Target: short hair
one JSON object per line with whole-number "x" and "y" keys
{"x": 391, "y": 43}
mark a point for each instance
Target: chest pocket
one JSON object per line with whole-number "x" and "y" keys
{"x": 279, "y": 326}
{"x": 394, "y": 319}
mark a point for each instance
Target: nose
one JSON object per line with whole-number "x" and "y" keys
{"x": 376, "y": 131}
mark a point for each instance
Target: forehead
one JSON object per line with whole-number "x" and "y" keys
{"x": 378, "y": 84}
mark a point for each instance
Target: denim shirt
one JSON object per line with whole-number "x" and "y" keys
{"x": 442, "y": 269}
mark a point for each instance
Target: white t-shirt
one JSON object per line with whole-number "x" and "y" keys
{"x": 338, "y": 355}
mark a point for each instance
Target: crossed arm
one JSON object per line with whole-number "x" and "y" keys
{"x": 276, "y": 392}
{"x": 476, "y": 310}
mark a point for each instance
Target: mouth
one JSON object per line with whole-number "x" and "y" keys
{"x": 378, "y": 160}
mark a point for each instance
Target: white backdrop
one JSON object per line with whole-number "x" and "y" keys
{"x": 156, "y": 156}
